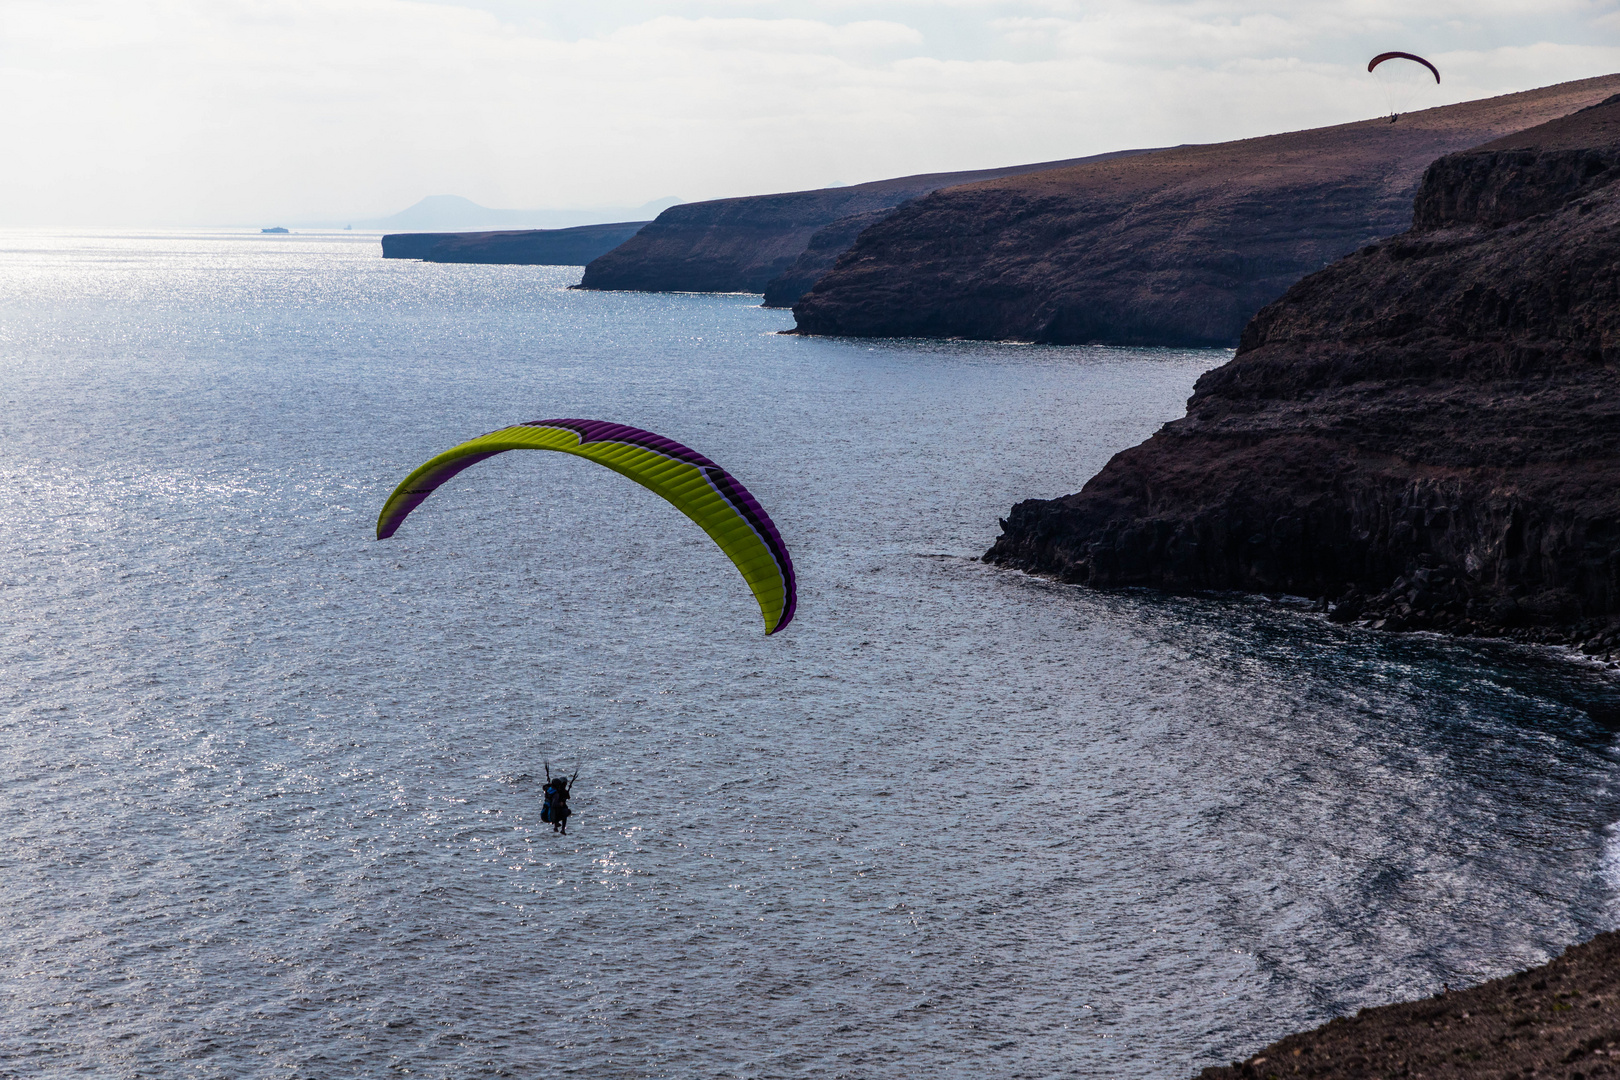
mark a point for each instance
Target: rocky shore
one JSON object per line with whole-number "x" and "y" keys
{"x": 1426, "y": 434}
{"x": 1178, "y": 247}
{"x": 1559, "y": 1020}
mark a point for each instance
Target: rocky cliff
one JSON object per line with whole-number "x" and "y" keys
{"x": 740, "y": 245}
{"x": 820, "y": 252}
{"x": 414, "y": 245}
{"x": 1179, "y": 247}
{"x": 1426, "y": 432}
{"x": 574, "y": 246}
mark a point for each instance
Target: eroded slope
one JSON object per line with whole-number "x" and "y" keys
{"x": 1180, "y": 247}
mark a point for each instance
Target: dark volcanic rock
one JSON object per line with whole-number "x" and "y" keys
{"x": 1179, "y": 247}
{"x": 1559, "y": 1020}
{"x": 574, "y": 246}
{"x": 1526, "y": 173}
{"x": 1428, "y": 430}
{"x": 411, "y": 245}
{"x": 818, "y": 256}
{"x": 740, "y": 245}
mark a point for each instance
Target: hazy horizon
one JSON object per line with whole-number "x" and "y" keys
{"x": 183, "y": 113}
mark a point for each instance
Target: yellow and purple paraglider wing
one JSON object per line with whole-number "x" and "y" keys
{"x": 693, "y": 484}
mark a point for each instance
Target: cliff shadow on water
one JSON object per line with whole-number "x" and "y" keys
{"x": 1426, "y": 433}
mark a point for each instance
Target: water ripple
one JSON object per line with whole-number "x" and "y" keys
{"x": 271, "y": 788}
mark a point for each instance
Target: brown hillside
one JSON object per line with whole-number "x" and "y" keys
{"x": 742, "y": 244}
{"x": 1180, "y": 246}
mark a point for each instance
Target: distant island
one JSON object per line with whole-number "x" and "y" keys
{"x": 273, "y": 229}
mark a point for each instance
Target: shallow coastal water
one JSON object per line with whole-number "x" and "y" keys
{"x": 270, "y": 788}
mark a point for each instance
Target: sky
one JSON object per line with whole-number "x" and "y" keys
{"x": 213, "y": 112}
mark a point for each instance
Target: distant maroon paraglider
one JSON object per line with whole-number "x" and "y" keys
{"x": 1381, "y": 57}
{"x": 1402, "y": 79}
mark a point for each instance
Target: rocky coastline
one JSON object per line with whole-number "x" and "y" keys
{"x": 1558, "y": 1020}
{"x": 820, "y": 252}
{"x": 760, "y": 243}
{"x": 1425, "y": 435}
{"x": 574, "y": 246}
{"x": 1179, "y": 247}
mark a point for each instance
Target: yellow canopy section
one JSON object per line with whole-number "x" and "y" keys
{"x": 690, "y": 482}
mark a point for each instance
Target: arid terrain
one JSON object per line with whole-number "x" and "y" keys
{"x": 744, "y": 244}
{"x": 1178, "y": 247}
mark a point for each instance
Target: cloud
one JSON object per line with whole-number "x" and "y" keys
{"x": 793, "y": 36}
{"x": 1159, "y": 37}
{"x": 196, "y": 111}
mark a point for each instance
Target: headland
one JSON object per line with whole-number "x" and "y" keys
{"x": 745, "y": 244}
{"x": 574, "y": 246}
{"x": 1178, "y": 247}
{"x": 1426, "y": 434}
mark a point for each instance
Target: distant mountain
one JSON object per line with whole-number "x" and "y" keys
{"x": 452, "y": 213}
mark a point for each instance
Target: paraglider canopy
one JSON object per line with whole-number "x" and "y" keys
{"x": 696, "y": 486}
{"x": 1402, "y": 75}
{"x": 1383, "y": 56}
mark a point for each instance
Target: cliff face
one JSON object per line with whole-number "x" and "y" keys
{"x": 574, "y": 246}
{"x": 740, "y": 245}
{"x": 415, "y": 245}
{"x": 1428, "y": 431}
{"x": 1180, "y": 247}
{"x": 819, "y": 255}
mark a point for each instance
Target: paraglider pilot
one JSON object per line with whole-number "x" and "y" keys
{"x": 555, "y": 808}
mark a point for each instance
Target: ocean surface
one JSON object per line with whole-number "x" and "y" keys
{"x": 270, "y": 788}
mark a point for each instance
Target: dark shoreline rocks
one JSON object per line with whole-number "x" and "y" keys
{"x": 1558, "y": 1020}
{"x": 821, "y": 251}
{"x": 1426, "y": 434}
{"x": 1180, "y": 247}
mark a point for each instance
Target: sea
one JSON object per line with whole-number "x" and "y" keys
{"x": 270, "y": 788}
